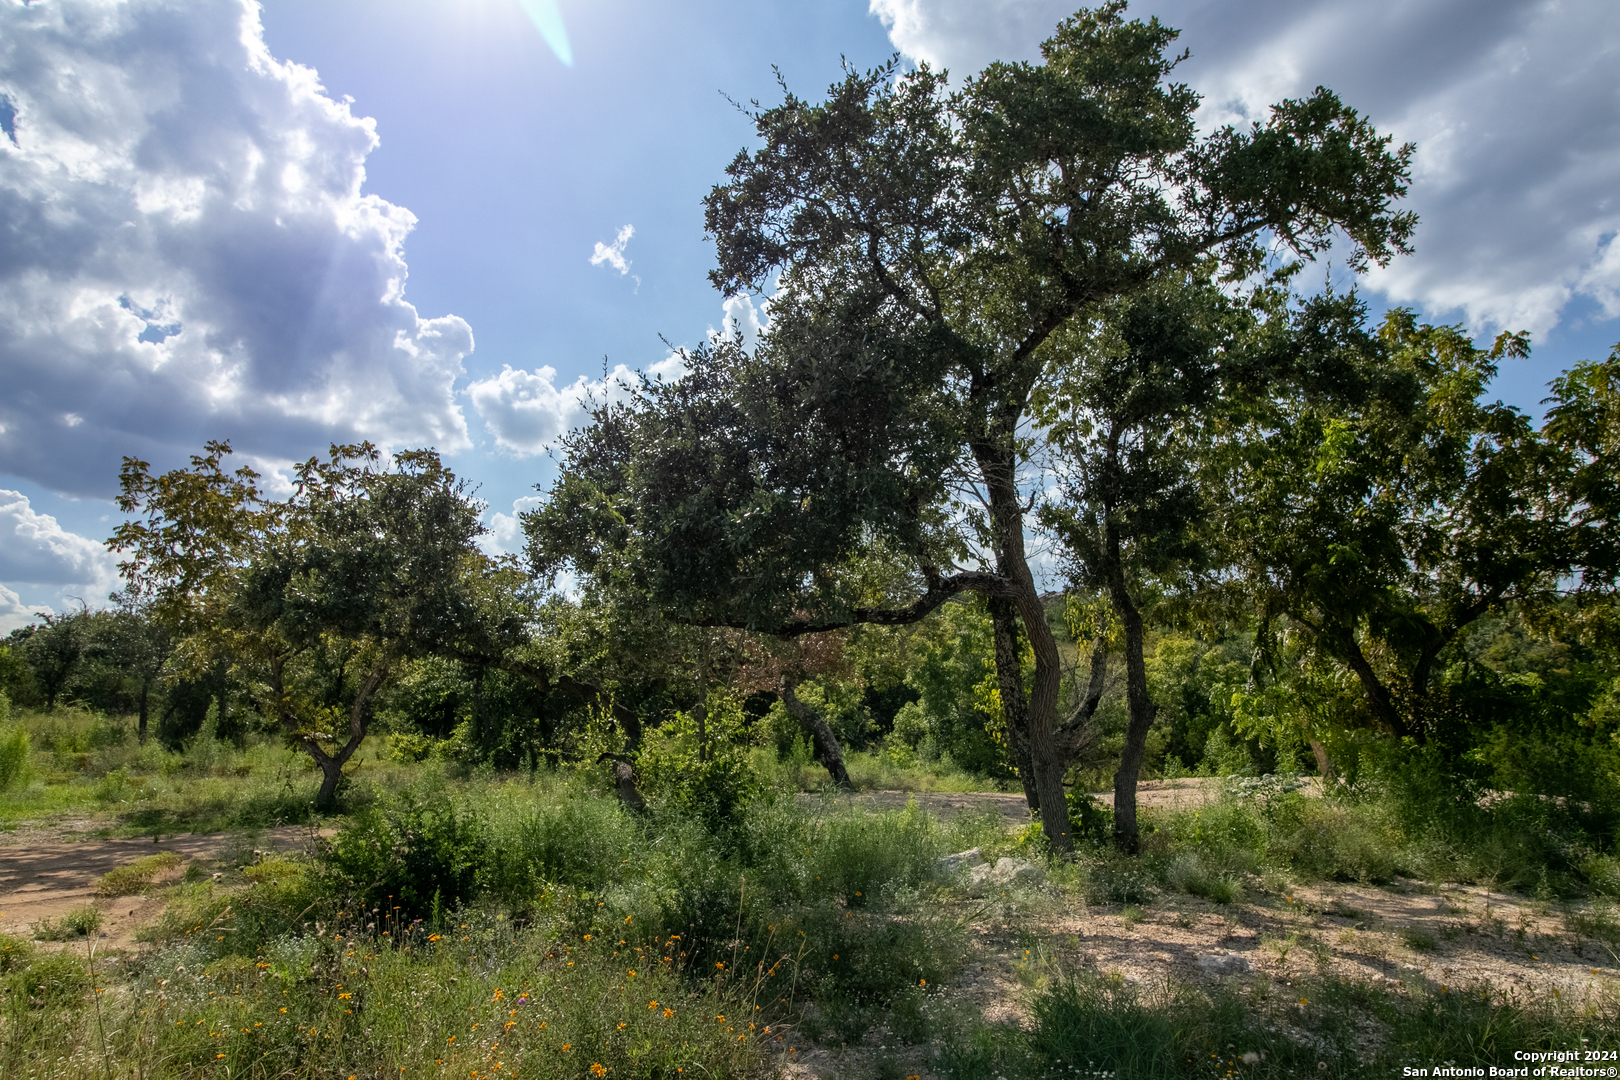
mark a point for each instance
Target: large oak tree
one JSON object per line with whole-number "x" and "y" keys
{"x": 928, "y": 248}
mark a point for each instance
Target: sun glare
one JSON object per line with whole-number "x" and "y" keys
{"x": 548, "y": 20}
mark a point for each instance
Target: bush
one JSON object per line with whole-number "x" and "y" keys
{"x": 417, "y": 852}
{"x": 409, "y": 746}
{"x": 45, "y": 981}
{"x": 1089, "y": 817}
{"x": 14, "y": 755}
{"x": 862, "y": 855}
{"x": 80, "y": 922}
{"x": 137, "y": 876}
{"x": 582, "y": 841}
{"x": 1338, "y": 841}
{"x": 1100, "y": 1027}
{"x": 710, "y": 779}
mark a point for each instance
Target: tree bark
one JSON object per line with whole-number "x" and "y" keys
{"x": 996, "y": 465}
{"x": 624, "y": 782}
{"x": 140, "y": 723}
{"x": 1324, "y": 764}
{"x": 827, "y": 751}
{"x": 1014, "y": 702}
{"x": 1378, "y": 695}
{"x": 332, "y": 764}
{"x": 1127, "y": 836}
{"x": 1142, "y": 710}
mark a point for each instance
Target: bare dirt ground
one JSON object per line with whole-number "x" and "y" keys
{"x": 48, "y": 870}
{"x": 1153, "y": 793}
{"x": 1406, "y": 935}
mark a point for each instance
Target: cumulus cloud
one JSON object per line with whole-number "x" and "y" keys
{"x": 505, "y": 536}
{"x": 613, "y": 254}
{"x": 527, "y": 411}
{"x": 36, "y": 550}
{"x": 189, "y": 254}
{"x": 13, "y": 612}
{"x": 742, "y": 316}
{"x": 1511, "y": 104}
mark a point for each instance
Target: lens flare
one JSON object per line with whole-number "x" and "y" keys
{"x": 548, "y": 20}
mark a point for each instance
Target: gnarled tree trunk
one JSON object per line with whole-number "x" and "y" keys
{"x": 825, "y": 744}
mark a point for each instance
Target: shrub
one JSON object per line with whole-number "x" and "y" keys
{"x": 861, "y": 855}
{"x": 1089, "y": 817}
{"x": 581, "y": 841}
{"x": 409, "y": 746}
{"x": 15, "y": 953}
{"x": 417, "y": 852}
{"x": 710, "y": 779}
{"x": 80, "y": 922}
{"x": 868, "y": 958}
{"x": 135, "y": 877}
{"x": 1121, "y": 879}
{"x": 1339, "y": 841}
{"x": 1096, "y": 1026}
{"x": 45, "y": 981}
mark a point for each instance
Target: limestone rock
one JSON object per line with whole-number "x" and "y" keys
{"x": 950, "y": 864}
{"x": 986, "y": 879}
{"x": 1222, "y": 964}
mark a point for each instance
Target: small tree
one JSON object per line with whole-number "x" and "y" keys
{"x": 372, "y": 562}
{"x": 54, "y": 649}
{"x": 139, "y": 647}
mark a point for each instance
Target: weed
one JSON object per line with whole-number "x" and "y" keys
{"x": 137, "y": 876}
{"x": 1419, "y": 939}
{"x": 80, "y": 922}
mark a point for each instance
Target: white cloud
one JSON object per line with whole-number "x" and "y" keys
{"x": 527, "y": 411}
{"x": 742, "y": 316}
{"x": 613, "y": 254}
{"x": 35, "y": 549}
{"x": 15, "y": 613}
{"x": 505, "y": 536}
{"x": 1512, "y": 105}
{"x": 189, "y": 255}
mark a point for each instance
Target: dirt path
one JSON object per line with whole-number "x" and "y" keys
{"x": 1191, "y": 791}
{"x": 45, "y": 872}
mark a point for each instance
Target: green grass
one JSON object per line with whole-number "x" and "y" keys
{"x": 81, "y": 764}
{"x": 872, "y": 771}
{"x": 345, "y": 1003}
{"x": 80, "y": 922}
{"x": 437, "y": 906}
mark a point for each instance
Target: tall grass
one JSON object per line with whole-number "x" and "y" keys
{"x": 1371, "y": 836}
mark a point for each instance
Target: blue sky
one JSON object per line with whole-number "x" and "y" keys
{"x": 356, "y": 218}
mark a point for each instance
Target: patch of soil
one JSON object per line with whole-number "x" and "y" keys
{"x": 46, "y": 873}
{"x": 1405, "y": 935}
{"x": 1191, "y": 791}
